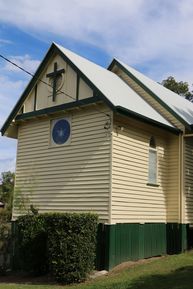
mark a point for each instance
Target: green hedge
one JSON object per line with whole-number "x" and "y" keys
{"x": 66, "y": 242}
{"x": 31, "y": 243}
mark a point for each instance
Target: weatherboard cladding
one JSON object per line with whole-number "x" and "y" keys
{"x": 74, "y": 177}
{"x": 173, "y": 169}
{"x": 189, "y": 180}
{"x": 132, "y": 199}
{"x": 97, "y": 83}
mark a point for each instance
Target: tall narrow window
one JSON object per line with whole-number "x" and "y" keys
{"x": 152, "y": 173}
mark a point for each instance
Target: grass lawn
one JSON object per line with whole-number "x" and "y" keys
{"x": 171, "y": 272}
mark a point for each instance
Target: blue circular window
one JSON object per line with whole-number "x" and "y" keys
{"x": 61, "y": 131}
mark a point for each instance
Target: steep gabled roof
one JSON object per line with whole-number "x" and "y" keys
{"x": 108, "y": 85}
{"x": 180, "y": 107}
{"x": 113, "y": 88}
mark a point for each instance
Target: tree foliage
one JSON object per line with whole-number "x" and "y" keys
{"x": 6, "y": 197}
{"x": 6, "y": 193}
{"x": 181, "y": 87}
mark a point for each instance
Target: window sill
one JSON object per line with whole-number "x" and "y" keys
{"x": 152, "y": 185}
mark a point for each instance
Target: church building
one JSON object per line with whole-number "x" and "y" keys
{"x": 109, "y": 141}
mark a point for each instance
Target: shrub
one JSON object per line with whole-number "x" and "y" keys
{"x": 66, "y": 241}
{"x": 5, "y": 242}
{"x": 71, "y": 245}
{"x": 31, "y": 243}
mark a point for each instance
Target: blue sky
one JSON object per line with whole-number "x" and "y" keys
{"x": 155, "y": 37}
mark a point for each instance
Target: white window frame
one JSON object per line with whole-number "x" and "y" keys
{"x": 152, "y": 172}
{"x": 52, "y": 144}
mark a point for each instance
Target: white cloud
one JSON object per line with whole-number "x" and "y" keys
{"x": 70, "y": 18}
{"x": 24, "y": 61}
{"x": 4, "y": 41}
{"x": 12, "y": 84}
{"x": 138, "y": 32}
{"x": 10, "y": 90}
{"x": 8, "y": 154}
{"x": 9, "y": 93}
{"x": 7, "y": 165}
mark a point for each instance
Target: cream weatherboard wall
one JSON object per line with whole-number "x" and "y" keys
{"x": 174, "y": 178}
{"x": 66, "y": 178}
{"x": 188, "y": 202}
{"x": 132, "y": 199}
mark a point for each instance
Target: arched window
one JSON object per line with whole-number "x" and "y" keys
{"x": 152, "y": 143}
{"x": 152, "y": 170}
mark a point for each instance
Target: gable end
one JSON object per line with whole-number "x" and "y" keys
{"x": 151, "y": 93}
{"x": 53, "y": 50}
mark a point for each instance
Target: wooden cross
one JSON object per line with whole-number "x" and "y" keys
{"x": 55, "y": 75}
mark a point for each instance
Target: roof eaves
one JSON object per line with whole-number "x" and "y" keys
{"x": 127, "y": 112}
{"x": 149, "y": 91}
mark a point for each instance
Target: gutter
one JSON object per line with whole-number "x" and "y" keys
{"x": 129, "y": 113}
